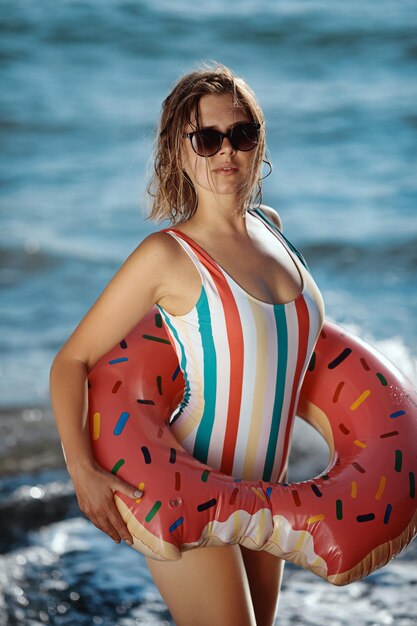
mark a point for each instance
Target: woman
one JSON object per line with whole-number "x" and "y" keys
{"x": 242, "y": 310}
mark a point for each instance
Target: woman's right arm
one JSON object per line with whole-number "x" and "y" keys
{"x": 140, "y": 282}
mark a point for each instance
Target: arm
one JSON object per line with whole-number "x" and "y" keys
{"x": 138, "y": 284}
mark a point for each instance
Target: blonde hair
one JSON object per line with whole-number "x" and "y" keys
{"x": 173, "y": 194}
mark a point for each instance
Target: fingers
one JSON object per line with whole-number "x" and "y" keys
{"x": 128, "y": 490}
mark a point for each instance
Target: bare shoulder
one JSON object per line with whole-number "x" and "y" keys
{"x": 273, "y": 215}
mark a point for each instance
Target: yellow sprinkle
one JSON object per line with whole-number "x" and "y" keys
{"x": 141, "y": 487}
{"x": 361, "y": 399}
{"x": 353, "y": 489}
{"x": 315, "y": 518}
{"x": 259, "y": 493}
{"x": 360, "y": 444}
{"x": 96, "y": 426}
{"x": 381, "y": 488}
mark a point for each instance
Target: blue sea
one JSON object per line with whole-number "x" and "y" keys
{"x": 81, "y": 88}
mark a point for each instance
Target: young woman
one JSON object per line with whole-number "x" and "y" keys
{"x": 239, "y": 303}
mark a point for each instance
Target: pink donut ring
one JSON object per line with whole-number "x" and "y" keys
{"x": 341, "y": 525}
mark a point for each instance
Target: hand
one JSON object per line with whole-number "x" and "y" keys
{"x": 94, "y": 488}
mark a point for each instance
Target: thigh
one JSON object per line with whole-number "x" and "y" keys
{"x": 206, "y": 587}
{"x": 264, "y": 573}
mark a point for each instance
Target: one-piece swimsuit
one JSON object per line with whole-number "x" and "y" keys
{"x": 243, "y": 362}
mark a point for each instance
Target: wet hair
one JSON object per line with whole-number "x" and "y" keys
{"x": 173, "y": 195}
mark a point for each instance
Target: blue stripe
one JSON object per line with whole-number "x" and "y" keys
{"x": 205, "y": 428}
{"x": 183, "y": 365}
{"x": 282, "y": 334}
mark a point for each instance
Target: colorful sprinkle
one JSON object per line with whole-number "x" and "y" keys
{"x": 141, "y": 401}
{"x": 344, "y": 430}
{"x": 268, "y": 492}
{"x": 392, "y": 433}
{"x": 412, "y": 484}
{"x": 325, "y": 477}
{"x": 364, "y": 364}
{"x": 337, "y": 391}
{"x": 382, "y": 379}
{"x": 360, "y": 444}
{"x": 296, "y": 498}
{"x": 207, "y": 505}
{"x": 381, "y": 488}
{"x": 365, "y": 394}
{"x": 258, "y": 492}
{"x": 96, "y": 426}
{"x": 159, "y": 384}
{"x": 177, "y": 481}
{"x": 123, "y": 344}
{"x": 116, "y": 386}
{"x": 158, "y": 339}
{"x": 121, "y": 423}
{"x": 158, "y": 320}
{"x": 205, "y": 475}
{"x": 397, "y": 414}
{"x": 146, "y": 455}
{"x": 117, "y": 466}
{"x": 154, "y": 510}
{"x": 353, "y": 489}
{"x": 339, "y": 509}
{"x": 141, "y": 487}
{"x": 176, "y": 372}
{"x": 340, "y": 358}
{"x": 358, "y": 467}
{"x": 316, "y": 491}
{"x": 398, "y": 460}
{"x": 312, "y": 363}
{"x": 315, "y": 518}
{"x": 368, "y": 517}
{"x": 233, "y": 496}
{"x": 173, "y": 455}
{"x": 175, "y": 525}
{"x": 387, "y": 513}
{"x": 120, "y": 360}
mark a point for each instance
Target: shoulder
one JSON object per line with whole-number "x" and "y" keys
{"x": 159, "y": 246}
{"x": 272, "y": 214}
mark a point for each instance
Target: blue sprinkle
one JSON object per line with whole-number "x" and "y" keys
{"x": 175, "y": 374}
{"x": 113, "y": 361}
{"x": 268, "y": 492}
{"x": 387, "y": 513}
{"x": 175, "y": 525}
{"x": 397, "y": 414}
{"x": 121, "y": 423}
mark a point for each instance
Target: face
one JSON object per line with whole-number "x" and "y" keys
{"x": 226, "y": 171}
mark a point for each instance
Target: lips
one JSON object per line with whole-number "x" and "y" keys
{"x": 226, "y": 167}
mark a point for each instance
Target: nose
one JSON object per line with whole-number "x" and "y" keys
{"x": 226, "y": 146}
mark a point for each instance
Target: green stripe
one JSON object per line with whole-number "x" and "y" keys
{"x": 293, "y": 248}
{"x": 282, "y": 333}
{"x": 202, "y": 440}
{"x": 183, "y": 365}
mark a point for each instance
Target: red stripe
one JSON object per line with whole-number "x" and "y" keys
{"x": 303, "y": 333}
{"x": 236, "y": 351}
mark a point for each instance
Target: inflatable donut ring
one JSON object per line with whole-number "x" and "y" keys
{"x": 341, "y": 525}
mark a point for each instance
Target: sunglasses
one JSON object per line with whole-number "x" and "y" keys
{"x": 207, "y": 141}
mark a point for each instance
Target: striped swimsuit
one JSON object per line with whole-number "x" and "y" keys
{"x": 243, "y": 362}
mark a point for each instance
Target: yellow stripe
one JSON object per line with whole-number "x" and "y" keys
{"x": 365, "y": 394}
{"x": 315, "y": 518}
{"x": 353, "y": 489}
{"x": 96, "y": 426}
{"x": 300, "y": 540}
{"x": 259, "y": 391}
{"x": 260, "y": 527}
{"x": 381, "y": 488}
{"x": 360, "y": 444}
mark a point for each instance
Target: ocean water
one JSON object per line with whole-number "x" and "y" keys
{"x": 82, "y": 84}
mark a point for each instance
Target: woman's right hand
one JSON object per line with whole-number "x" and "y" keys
{"x": 94, "y": 488}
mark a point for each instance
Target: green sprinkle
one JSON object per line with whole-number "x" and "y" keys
{"x": 117, "y": 466}
{"x": 205, "y": 475}
{"x": 398, "y": 460}
{"x": 154, "y": 510}
{"x": 152, "y": 338}
{"x": 339, "y": 509}
{"x": 158, "y": 320}
{"x": 382, "y": 379}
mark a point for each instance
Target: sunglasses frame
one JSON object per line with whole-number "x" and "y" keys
{"x": 221, "y": 136}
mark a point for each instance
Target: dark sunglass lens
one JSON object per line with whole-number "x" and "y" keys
{"x": 245, "y": 136}
{"x": 206, "y": 142}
